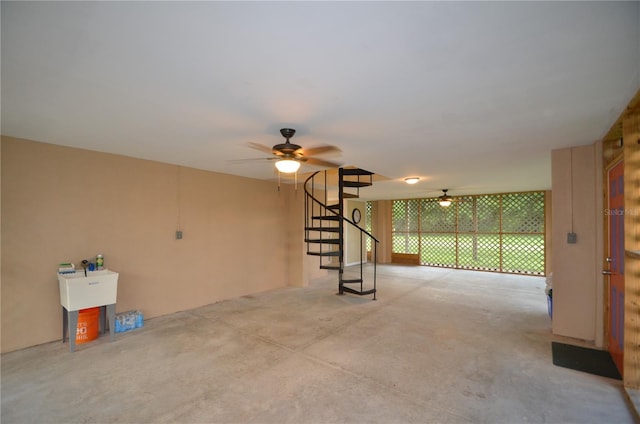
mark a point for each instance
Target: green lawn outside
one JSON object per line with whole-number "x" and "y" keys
{"x": 521, "y": 253}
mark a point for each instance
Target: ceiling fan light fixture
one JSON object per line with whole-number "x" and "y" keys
{"x": 287, "y": 166}
{"x": 445, "y": 200}
{"x": 411, "y": 180}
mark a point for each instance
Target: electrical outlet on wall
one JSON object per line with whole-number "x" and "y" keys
{"x": 572, "y": 238}
{"x": 178, "y": 235}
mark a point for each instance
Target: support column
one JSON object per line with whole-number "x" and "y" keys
{"x": 631, "y": 137}
{"x": 382, "y": 229}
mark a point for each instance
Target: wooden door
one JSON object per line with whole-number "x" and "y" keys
{"x": 615, "y": 259}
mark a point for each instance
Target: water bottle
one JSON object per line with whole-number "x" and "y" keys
{"x": 99, "y": 262}
{"x": 139, "y": 319}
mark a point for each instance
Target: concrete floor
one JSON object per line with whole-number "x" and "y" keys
{"x": 439, "y": 346}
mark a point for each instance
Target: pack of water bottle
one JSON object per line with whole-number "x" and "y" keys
{"x": 129, "y": 320}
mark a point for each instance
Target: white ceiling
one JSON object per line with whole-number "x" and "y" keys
{"x": 470, "y": 96}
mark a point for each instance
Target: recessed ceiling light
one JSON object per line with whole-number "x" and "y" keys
{"x": 411, "y": 180}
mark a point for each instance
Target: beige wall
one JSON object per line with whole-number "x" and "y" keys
{"x": 577, "y": 279}
{"x": 63, "y": 204}
{"x": 354, "y": 249}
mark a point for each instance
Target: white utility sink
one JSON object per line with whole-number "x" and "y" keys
{"x": 98, "y": 288}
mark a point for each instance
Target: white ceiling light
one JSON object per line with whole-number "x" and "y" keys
{"x": 411, "y": 180}
{"x": 445, "y": 203}
{"x": 287, "y": 166}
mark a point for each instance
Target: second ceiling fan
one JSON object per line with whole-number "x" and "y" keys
{"x": 445, "y": 200}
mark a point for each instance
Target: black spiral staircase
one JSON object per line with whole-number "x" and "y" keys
{"x": 325, "y": 227}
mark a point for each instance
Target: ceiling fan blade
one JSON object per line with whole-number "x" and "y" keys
{"x": 260, "y": 147}
{"x": 249, "y": 160}
{"x": 318, "y": 150}
{"x": 320, "y": 162}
